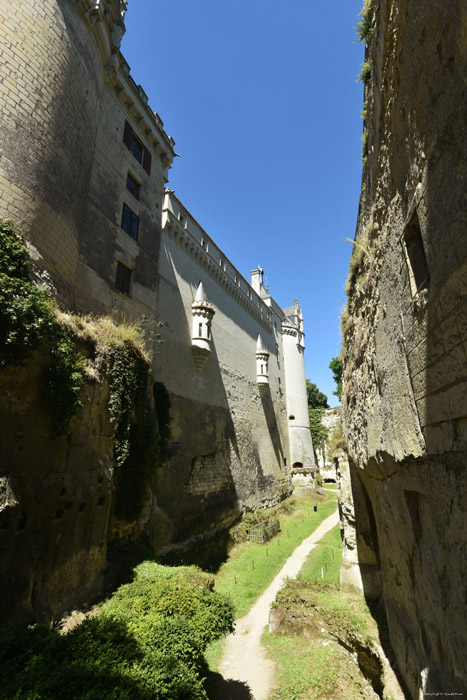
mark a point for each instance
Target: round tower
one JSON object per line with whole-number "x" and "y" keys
{"x": 50, "y": 90}
{"x": 293, "y": 341}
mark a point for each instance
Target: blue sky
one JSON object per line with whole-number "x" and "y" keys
{"x": 262, "y": 101}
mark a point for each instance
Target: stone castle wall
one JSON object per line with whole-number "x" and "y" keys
{"x": 73, "y": 120}
{"x": 50, "y": 91}
{"x": 230, "y": 445}
{"x": 405, "y": 347}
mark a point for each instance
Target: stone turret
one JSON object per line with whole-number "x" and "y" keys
{"x": 201, "y": 336}
{"x": 262, "y": 360}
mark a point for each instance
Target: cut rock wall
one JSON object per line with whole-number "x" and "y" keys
{"x": 57, "y": 498}
{"x": 405, "y": 340}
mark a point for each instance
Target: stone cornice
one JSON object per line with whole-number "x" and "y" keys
{"x": 237, "y": 287}
{"x": 105, "y": 21}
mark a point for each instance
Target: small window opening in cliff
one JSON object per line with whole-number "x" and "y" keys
{"x": 291, "y": 417}
{"x": 101, "y": 501}
{"x": 297, "y": 465}
{"x": 82, "y": 507}
{"x": 415, "y": 256}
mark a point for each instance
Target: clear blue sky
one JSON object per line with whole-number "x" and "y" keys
{"x": 262, "y": 101}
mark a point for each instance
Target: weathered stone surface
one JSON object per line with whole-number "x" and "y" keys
{"x": 55, "y": 500}
{"x": 405, "y": 366}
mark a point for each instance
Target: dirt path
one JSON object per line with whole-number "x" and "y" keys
{"x": 244, "y": 658}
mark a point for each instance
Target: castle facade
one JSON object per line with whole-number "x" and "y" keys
{"x": 84, "y": 164}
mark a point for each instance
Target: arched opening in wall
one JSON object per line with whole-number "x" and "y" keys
{"x": 291, "y": 417}
{"x": 297, "y": 465}
{"x": 415, "y": 257}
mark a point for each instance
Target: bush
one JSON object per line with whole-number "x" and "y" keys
{"x": 146, "y": 644}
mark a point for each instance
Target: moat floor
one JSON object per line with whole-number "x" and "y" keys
{"x": 245, "y": 671}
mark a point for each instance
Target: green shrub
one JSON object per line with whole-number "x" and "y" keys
{"x": 26, "y": 317}
{"x": 14, "y": 257}
{"x": 364, "y": 22}
{"x": 146, "y": 644}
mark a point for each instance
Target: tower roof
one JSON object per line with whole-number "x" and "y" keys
{"x": 200, "y": 293}
{"x": 260, "y": 347}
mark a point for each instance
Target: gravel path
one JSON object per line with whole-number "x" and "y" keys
{"x": 244, "y": 658}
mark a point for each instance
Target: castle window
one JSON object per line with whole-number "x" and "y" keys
{"x": 132, "y": 186}
{"x": 130, "y": 222}
{"x": 200, "y": 329}
{"x": 415, "y": 256}
{"x": 123, "y": 279}
{"x": 135, "y": 147}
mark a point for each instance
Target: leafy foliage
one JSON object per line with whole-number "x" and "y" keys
{"x": 365, "y": 72}
{"x": 319, "y": 432}
{"x": 336, "y": 367}
{"x": 26, "y": 317}
{"x": 316, "y": 399}
{"x": 147, "y": 644}
{"x": 14, "y": 257}
{"x": 127, "y": 372}
{"x": 364, "y": 22}
{"x": 80, "y": 346}
{"x": 64, "y": 381}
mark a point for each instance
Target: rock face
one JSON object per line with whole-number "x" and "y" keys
{"x": 405, "y": 340}
{"x": 56, "y": 498}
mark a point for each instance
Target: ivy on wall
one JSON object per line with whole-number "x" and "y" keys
{"x": 81, "y": 348}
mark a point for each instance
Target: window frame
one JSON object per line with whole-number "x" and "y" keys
{"x": 135, "y": 192}
{"x": 125, "y": 283}
{"x": 133, "y": 222}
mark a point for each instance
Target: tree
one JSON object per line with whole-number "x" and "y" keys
{"x": 319, "y": 432}
{"x": 336, "y": 367}
{"x": 316, "y": 399}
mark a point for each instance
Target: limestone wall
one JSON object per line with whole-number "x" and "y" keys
{"x": 56, "y": 497}
{"x": 50, "y": 91}
{"x": 230, "y": 447}
{"x": 405, "y": 340}
{"x": 103, "y": 241}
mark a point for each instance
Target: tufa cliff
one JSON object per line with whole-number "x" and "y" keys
{"x": 405, "y": 341}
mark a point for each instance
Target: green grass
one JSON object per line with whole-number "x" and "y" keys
{"x": 310, "y": 670}
{"x": 243, "y": 583}
{"x": 324, "y": 561}
{"x": 251, "y": 567}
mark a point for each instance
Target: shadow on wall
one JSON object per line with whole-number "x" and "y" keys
{"x": 273, "y": 427}
{"x": 195, "y": 490}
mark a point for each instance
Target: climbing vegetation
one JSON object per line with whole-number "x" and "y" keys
{"x": 80, "y": 348}
{"x": 147, "y": 642}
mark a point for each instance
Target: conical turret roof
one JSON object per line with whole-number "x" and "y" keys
{"x": 200, "y": 293}
{"x": 260, "y": 346}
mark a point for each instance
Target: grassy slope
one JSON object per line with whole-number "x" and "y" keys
{"x": 319, "y": 669}
{"x": 251, "y": 567}
{"x": 242, "y": 582}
